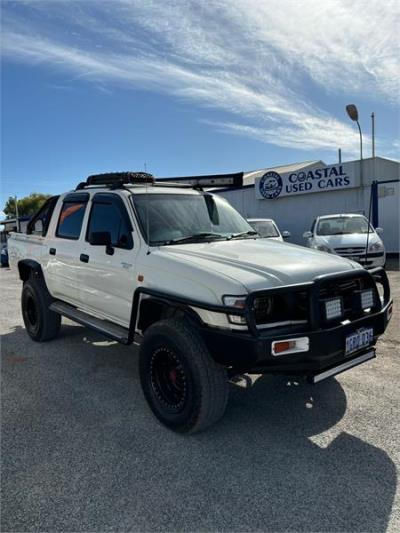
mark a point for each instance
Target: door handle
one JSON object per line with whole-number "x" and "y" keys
{"x": 84, "y": 258}
{"x": 52, "y": 251}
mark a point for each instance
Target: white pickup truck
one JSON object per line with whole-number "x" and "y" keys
{"x": 176, "y": 269}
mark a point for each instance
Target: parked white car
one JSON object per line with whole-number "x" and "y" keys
{"x": 268, "y": 229}
{"x": 347, "y": 235}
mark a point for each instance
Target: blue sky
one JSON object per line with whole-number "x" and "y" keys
{"x": 190, "y": 87}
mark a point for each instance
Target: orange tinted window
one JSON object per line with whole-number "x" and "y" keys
{"x": 70, "y": 221}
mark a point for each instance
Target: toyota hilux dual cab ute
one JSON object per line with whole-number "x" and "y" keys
{"x": 176, "y": 269}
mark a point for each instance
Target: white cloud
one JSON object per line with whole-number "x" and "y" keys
{"x": 248, "y": 58}
{"x": 312, "y": 135}
{"x": 342, "y": 45}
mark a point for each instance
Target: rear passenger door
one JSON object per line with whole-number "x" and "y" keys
{"x": 64, "y": 248}
{"x": 108, "y": 276}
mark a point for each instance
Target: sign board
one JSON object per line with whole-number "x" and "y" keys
{"x": 331, "y": 178}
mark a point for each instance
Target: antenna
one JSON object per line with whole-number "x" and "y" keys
{"x": 147, "y": 214}
{"x": 373, "y": 185}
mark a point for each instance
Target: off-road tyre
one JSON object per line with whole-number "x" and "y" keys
{"x": 41, "y": 324}
{"x": 184, "y": 387}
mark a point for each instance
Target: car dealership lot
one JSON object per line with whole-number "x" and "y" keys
{"x": 81, "y": 451}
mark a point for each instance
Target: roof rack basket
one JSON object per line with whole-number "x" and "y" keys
{"x": 116, "y": 179}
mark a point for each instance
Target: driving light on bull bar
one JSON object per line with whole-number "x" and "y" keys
{"x": 301, "y": 344}
{"x": 333, "y": 308}
{"x": 367, "y": 299}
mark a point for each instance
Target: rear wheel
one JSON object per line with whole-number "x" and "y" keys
{"x": 185, "y": 388}
{"x": 40, "y": 323}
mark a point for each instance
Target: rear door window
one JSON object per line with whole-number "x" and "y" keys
{"x": 71, "y": 217}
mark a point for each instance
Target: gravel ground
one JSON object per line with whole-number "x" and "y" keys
{"x": 82, "y": 452}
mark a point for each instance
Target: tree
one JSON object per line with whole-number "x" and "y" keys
{"x": 27, "y": 206}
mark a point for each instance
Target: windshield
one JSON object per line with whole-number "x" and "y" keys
{"x": 343, "y": 226}
{"x": 265, "y": 228}
{"x": 174, "y": 217}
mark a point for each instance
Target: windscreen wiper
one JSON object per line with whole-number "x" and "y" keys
{"x": 196, "y": 236}
{"x": 243, "y": 234}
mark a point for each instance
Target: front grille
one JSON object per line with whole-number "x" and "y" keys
{"x": 346, "y": 288}
{"x": 350, "y": 250}
{"x": 279, "y": 309}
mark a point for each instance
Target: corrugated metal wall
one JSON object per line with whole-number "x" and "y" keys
{"x": 296, "y": 213}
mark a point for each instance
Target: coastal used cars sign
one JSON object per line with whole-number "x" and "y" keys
{"x": 273, "y": 185}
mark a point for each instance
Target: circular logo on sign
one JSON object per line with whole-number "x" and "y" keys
{"x": 270, "y": 185}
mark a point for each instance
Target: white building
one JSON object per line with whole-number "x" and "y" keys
{"x": 293, "y": 195}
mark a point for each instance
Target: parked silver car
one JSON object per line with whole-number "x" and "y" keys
{"x": 347, "y": 235}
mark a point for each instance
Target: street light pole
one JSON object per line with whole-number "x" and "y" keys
{"x": 373, "y": 133}
{"x": 361, "y": 146}
{"x": 353, "y": 114}
{"x": 16, "y": 213}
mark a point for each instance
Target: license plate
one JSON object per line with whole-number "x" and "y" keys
{"x": 359, "y": 339}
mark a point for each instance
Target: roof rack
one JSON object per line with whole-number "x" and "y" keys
{"x": 208, "y": 181}
{"x": 117, "y": 180}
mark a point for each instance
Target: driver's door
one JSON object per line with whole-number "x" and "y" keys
{"x": 108, "y": 279}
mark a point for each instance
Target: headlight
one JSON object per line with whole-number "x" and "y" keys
{"x": 263, "y": 308}
{"x": 322, "y": 248}
{"x": 281, "y": 309}
{"x": 235, "y": 301}
{"x": 376, "y": 247}
{"x": 239, "y": 302}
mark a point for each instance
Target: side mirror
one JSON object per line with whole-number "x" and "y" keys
{"x": 102, "y": 238}
{"x": 307, "y": 234}
{"x": 379, "y": 231}
{"x": 286, "y": 234}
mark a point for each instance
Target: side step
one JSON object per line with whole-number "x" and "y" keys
{"x": 110, "y": 330}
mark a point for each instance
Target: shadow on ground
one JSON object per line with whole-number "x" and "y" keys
{"x": 81, "y": 451}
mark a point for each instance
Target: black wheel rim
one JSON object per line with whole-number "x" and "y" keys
{"x": 31, "y": 312}
{"x": 168, "y": 379}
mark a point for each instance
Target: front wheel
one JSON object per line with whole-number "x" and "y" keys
{"x": 185, "y": 388}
